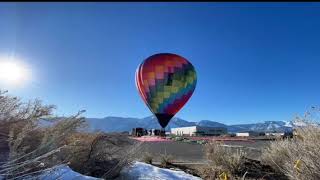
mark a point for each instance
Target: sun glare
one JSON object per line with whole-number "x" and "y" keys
{"x": 13, "y": 72}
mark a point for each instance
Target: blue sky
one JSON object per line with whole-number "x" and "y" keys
{"x": 255, "y": 61}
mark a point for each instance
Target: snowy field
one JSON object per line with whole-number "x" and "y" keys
{"x": 143, "y": 171}
{"x": 62, "y": 172}
{"x": 137, "y": 171}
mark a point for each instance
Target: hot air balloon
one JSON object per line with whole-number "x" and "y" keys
{"x": 165, "y": 82}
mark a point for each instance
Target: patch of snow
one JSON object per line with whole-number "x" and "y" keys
{"x": 288, "y": 124}
{"x": 277, "y": 126}
{"x": 61, "y": 172}
{"x": 298, "y": 123}
{"x": 140, "y": 170}
{"x": 270, "y": 127}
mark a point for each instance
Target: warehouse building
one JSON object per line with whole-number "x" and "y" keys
{"x": 243, "y": 134}
{"x": 250, "y": 133}
{"x": 199, "y": 131}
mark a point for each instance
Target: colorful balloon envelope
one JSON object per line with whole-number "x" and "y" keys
{"x": 165, "y": 82}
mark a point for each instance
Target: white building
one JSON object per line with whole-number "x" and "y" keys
{"x": 247, "y": 134}
{"x": 243, "y": 134}
{"x": 274, "y": 134}
{"x": 198, "y": 131}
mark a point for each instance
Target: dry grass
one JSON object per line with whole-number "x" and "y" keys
{"x": 232, "y": 163}
{"x": 166, "y": 160}
{"x": 33, "y": 148}
{"x": 147, "y": 158}
{"x": 298, "y": 158}
{"x": 93, "y": 154}
{"x": 223, "y": 158}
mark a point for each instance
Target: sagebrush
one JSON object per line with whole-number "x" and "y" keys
{"x": 298, "y": 158}
{"x": 35, "y": 140}
{"x": 223, "y": 159}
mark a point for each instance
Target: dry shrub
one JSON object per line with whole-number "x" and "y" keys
{"x": 109, "y": 153}
{"x": 232, "y": 163}
{"x": 34, "y": 147}
{"x": 18, "y": 123}
{"x": 298, "y": 158}
{"x": 79, "y": 148}
{"x": 147, "y": 158}
{"x": 224, "y": 159}
{"x": 166, "y": 160}
{"x": 209, "y": 173}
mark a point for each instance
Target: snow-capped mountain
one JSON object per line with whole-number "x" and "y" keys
{"x": 119, "y": 124}
{"x": 209, "y": 123}
{"x": 267, "y": 126}
{"x": 300, "y": 123}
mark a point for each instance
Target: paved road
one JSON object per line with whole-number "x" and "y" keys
{"x": 189, "y": 152}
{"x": 178, "y": 150}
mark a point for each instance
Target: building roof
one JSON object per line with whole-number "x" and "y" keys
{"x": 200, "y": 127}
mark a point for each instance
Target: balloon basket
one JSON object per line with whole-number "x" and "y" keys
{"x": 163, "y": 133}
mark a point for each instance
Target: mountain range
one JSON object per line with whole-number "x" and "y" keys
{"x": 120, "y": 124}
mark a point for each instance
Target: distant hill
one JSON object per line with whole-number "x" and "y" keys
{"x": 209, "y": 123}
{"x": 119, "y": 124}
{"x": 267, "y": 126}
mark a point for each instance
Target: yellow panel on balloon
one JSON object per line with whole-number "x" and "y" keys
{"x": 151, "y": 75}
{"x": 160, "y": 95}
{"x": 159, "y": 69}
{"x": 154, "y": 105}
{"x": 167, "y": 88}
{"x": 166, "y": 94}
{"x": 174, "y": 89}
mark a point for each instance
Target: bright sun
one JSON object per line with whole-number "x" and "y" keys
{"x": 13, "y": 72}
